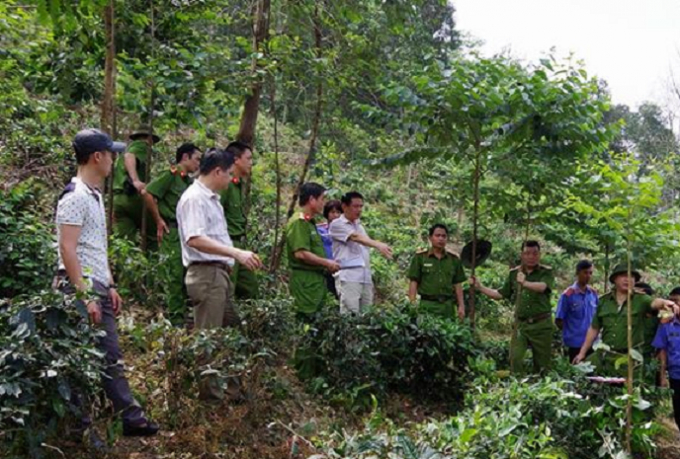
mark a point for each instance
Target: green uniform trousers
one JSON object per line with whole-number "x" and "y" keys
{"x": 172, "y": 273}
{"x": 308, "y": 289}
{"x": 444, "y": 310}
{"x": 247, "y": 285}
{"x": 127, "y": 211}
{"x": 538, "y": 335}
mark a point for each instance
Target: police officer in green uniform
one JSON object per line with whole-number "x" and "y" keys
{"x": 308, "y": 263}
{"x": 162, "y": 196}
{"x": 436, "y": 274}
{"x": 306, "y": 255}
{"x": 129, "y": 184}
{"x": 611, "y": 319}
{"x": 233, "y": 202}
{"x": 528, "y": 286}
{"x": 651, "y": 320}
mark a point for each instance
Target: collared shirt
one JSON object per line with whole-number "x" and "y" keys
{"x": 612, "y": 320}
{"x": 436, "y": 276}
{"x": 531, "y": 303}
{"x": 301, "y": 234}
{"x": 167, "y": 188}
{"x": 322, "y": 228}
{"x": 668, "y": 338}
{"x": 83, "y": 206}
{"x": 233, "y": 201}
{"x": 199, "y": 213}
{"x": 345, "y": 249}
{"x": 576, "y": 308}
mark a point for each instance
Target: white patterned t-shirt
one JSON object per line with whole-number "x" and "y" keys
{"x": 83, "y": 206}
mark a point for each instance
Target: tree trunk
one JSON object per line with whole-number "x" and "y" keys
{"x": 629, "y": 310}
{"x": 312, "y": 140}
{"x": 277, "y": 168}
{"x": 251, "y": 107}
{"x": 149, "y": 156}
{"x": 475, "y": 227}
{"x": 108, "y": 108}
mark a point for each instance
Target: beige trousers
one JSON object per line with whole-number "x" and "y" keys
{"x": 354, "y": 296}
{"x": 212, "y": 296}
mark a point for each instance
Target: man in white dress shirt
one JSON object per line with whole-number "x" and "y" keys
{"x": 350, "y": 249}
{"x": 207, "y": 250}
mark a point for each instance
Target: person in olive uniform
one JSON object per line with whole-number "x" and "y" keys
{"x": 162, "y": 196}
{"x": 611, "y": 319}
{"x": 234, "y": 202}
{"x": 533, "y": 283}
{"x": 651, "y": 319}
{"x": 306, "y": 254}
{"x": 129, "y": 184}
{"x": 308, "y": 265}
{"x": 436, "y": 274}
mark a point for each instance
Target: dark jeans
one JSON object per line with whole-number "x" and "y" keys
{"x": 675, "y": 385}
{"x": 115, "y": 383}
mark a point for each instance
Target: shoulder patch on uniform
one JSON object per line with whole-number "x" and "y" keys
{"x": 301, "y": 216}
{"x": 421, "y": 251}
{"x": 451, "y": 252}
{"x": 569, "y": 291}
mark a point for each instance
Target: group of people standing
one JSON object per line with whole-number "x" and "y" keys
{"x": 200, "y": 225}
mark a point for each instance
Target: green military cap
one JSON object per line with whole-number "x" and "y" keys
{"x": 622, "y": 268}
{"x": 144, "y": 131}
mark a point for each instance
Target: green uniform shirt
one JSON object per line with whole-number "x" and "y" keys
{"x": 436, "y": 277}
{"x": 531, "y": 303}
{"x": 612, "y": 320}
{"x": 301, "y": 234}
{"x": 140, "y": 149}
{"x": 233, "y": 201}
{"x": 167, "y": 188}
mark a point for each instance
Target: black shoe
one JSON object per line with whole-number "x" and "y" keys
{"x": 147, "y": 429}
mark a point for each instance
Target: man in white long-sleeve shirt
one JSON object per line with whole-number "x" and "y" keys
{"x": 350, "y": 249}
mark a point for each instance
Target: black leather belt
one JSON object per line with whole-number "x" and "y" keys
{"x": 437, "y": 298}
{"x": 219, "y": 264}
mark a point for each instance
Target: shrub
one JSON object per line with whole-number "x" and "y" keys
{"x": 27, "y": 244}
{"x": 393, "y": 348}
{"x": 47, "y": 352}
{"x": 546, "y": 418}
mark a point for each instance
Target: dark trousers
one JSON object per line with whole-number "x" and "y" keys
{"x": 330, "y": 285}
{"x": 675, "y": 385}
{"x": 115, "y": 383}
{"x": 572, "y": 352}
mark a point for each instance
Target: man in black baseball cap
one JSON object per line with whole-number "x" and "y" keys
{"x": 89, "y": 141}
{"x": 84, "y": 266}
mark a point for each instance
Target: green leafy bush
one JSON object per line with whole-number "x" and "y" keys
{"x": 47, "y": 353}
{"x": 27, "y": 244}
{"x": 552, "y": 417}
{"x": 393, "y": 348}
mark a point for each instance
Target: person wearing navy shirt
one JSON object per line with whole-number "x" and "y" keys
{"x": 331, "y": 211}
{"x": 576, "y": 308}
{"x": 667, "y": 341}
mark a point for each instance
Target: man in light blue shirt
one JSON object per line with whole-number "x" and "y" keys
{"x": 576, "y": 308}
